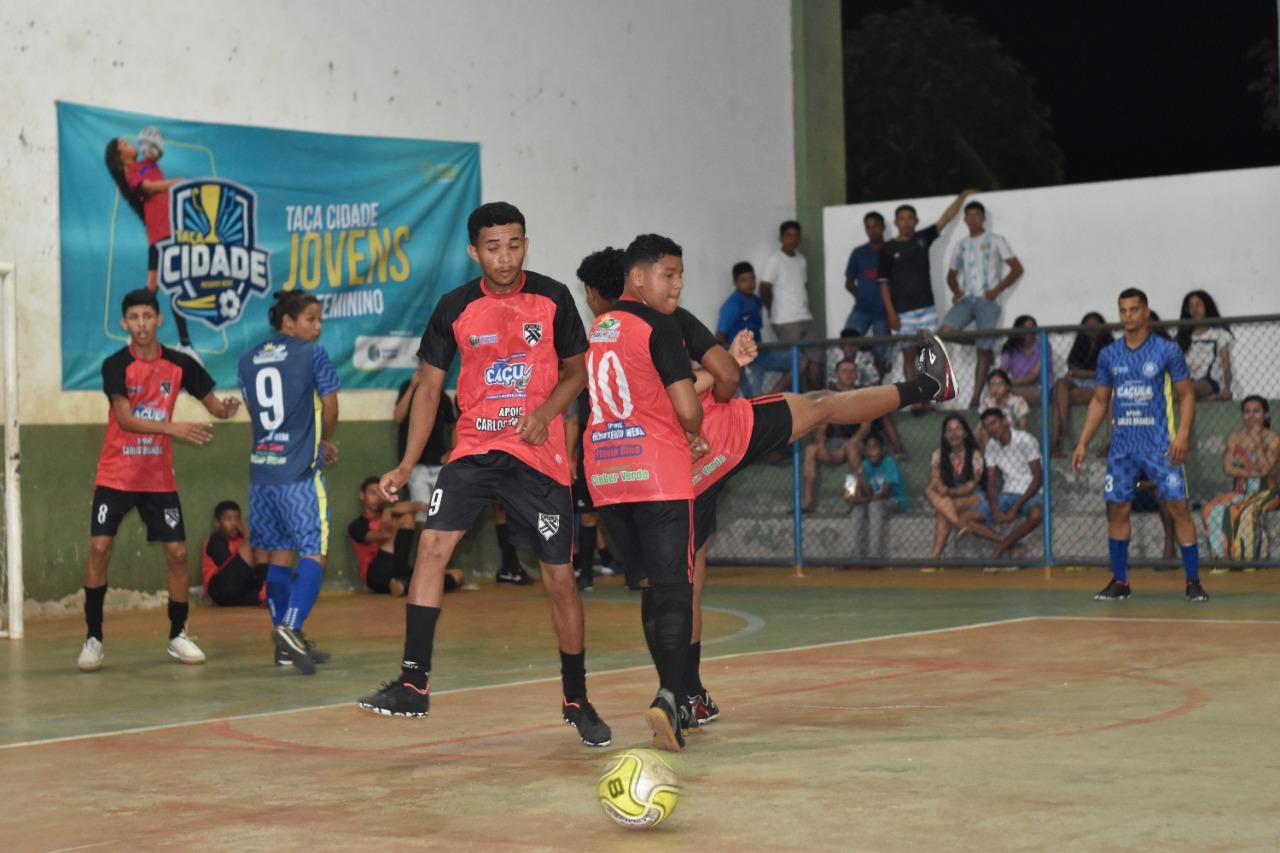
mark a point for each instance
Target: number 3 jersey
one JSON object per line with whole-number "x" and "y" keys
{"x": 282, "y": 381}
{"x": 510, "y": 347}
{"x": 1141, "y": 380}
{"x": 634, "y": 447}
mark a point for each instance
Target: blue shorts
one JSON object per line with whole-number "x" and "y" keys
{"x": 1124, "y": 470}
{"x": 982, "y": 312}
{"x": 861, "y": 321}
{"x": 290, "y": 516}
{"x": 1006, "y": 500}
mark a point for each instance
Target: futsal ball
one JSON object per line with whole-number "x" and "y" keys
{"x": 639, "y": 790}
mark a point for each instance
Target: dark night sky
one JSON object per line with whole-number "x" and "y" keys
{"x": 1135, "y": 87}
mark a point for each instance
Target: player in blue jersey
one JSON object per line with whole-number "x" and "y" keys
{"x": 291, "y": 390}
{"x": 1139, "y": 376}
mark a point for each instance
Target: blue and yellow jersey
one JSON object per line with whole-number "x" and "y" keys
{"x": 1141, "y": 380}
{"x": 282, "y": 381}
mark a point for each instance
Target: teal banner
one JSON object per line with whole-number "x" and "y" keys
{"x": 215, "y": 217}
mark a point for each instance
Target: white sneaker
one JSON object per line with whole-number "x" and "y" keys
{"x": 183, "y": 650}
{"x": 91, "y": 655}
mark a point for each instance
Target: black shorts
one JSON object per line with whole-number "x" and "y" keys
{"x": 161, "y": 512}
{"x": 656, "y": 539}
{"x": 770, "y": 432}
{"x": 539, "y": 510}
{"x": 153, "y": 257}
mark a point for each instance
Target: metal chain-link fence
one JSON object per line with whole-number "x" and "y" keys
{"x": 792, "y": 509}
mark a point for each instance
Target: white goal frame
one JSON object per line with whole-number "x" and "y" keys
{"x": 11, "y": 597}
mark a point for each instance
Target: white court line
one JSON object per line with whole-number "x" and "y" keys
{"x": 84, "y": 846}
{"x": 351, "y": 703}
{"x": 1188, "y": 621}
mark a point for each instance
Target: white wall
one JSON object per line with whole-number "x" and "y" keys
{"x": 599, "y": 118}
{"x": 1082, "y": 244}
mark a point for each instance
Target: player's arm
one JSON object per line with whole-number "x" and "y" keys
{"x": 895, "y": 323}
{"x": 189, "y": 432}
{"x": 422, "y": 417}
{"x": 573, "y": 378}
{"x": 1015, "y": 273}
{"x": 1099, "y": 405}
{"x": 220, "y": 408}
{"x": 405, "y": 400}
{"x": 403, "y": 508}
{"x": 571, "y": 435}
{"x": 724, "y": 373}
{"x": 361, "y": 531}
{"x": 685, "y": 401}
{"x": 952, "y": 209}
{"x": 953, "y": 283}
{"x": 1185, "y": 391}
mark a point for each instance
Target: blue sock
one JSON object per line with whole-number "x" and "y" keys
{"x": 306, "y": 588}
{"x": 1191, "y": 559}
{"x": 1119, "y": 559}
{"x": 279, "y": 585}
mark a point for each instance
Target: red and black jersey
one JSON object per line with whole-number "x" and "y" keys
{"x": 727, "y": 429}
{"x": 143, "y": 462}
{"x": 697, "y": 337}
{"x": 634, "y": 448}
{"x": 359, "y": 531}
{"x": 511, "y": 347}
{"x": 215, "y": 555}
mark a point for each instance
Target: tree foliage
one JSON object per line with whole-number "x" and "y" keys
{"x": 933, "y": 104}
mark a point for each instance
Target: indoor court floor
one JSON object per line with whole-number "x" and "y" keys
{"x": 888, "y": 710}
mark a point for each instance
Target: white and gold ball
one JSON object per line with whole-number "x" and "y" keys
{"x": 639, "y": 790}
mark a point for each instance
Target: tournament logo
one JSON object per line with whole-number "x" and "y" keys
{"x": 532, "y": 333}
{"x": 606, "y": 329}
{"x": 211, "y": 263}
{"x": 548, "y": 525}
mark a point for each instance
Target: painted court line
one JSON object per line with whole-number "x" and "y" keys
{"x": 351, "y": 703}
{"x": 1191, "y": 621}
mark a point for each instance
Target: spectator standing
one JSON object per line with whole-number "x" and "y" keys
{"x": 1020, "y": 359}
{"x": 976, "y": 278}
{"x": 880, "y": 494}
{"x": 1076, "y": 386}
{"x": 1207, "y": 349}
{"x": 862, "y": 279}
{"x": 905, "y": 284}
{"x": 744, "y": 309}
{"x": 784, "y": 291}
{"x": 232, "y": 573}
{"x": 955, "y": 490}
{"x": 1232, "y": 520}
{"x": 1013, "y": 456}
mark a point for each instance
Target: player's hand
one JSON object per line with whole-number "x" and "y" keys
{"x": 990, "y": 295}
{"x": 895, "y": 322}
{"x": 392, "y": 482}
{"x": 230, "y": 405}
{"x": 532, "y": 428}
{"x": 743, "y": 348}
{"x": 192, "y": 433}
{"x": 328, "y": 452}
{"x": 1178, "y": 449}
{"x": 956, "y": 296}
{"x": 1077, "y": 458}
{"x": 698, "y": 446}
{"x": 573, "y": 471}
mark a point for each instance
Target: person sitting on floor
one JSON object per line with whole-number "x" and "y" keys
{"x": 233, "y": 573}
{"x": 382, "y": 536}
{"x": 957, "y": 472}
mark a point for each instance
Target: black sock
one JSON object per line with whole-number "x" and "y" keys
{"x": 606, "y": 556}
{"x": 649, "y": 622}
{"x": 93, "y": 598}
{"x": 177, "y": 617}
{"x": 573, "y": 674}
{"x": 509, "y": 558}
{"x": 673, "y": 609}
{"x": 586, "y": 550}
{"x": 419, "y": 635}
{"x": 919, "y": 390}
{"x": 692, "y": 678}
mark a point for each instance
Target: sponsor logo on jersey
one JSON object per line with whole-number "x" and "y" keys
{"x": 1135, "y": 392}
{"x": 606, "y": 330}
{"x": 478, "y": 340}
{"x": 548, "y": 525}
{"x": 270, "y": 353}
{"x": 532, "y": 333}
{"x": 148, "y": 413}
{"x": 211, "y": 263}
{"x": 1149, "y": 369}
{"x": 509, "y": 374}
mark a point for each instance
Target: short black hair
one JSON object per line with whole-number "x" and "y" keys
{"x": 1133, "y": 293}
{"x": 288, "y": 303}
{"x": 742, "y": 268}
{"x": 491, "y": 214}
{"x": 141, "y": 296}
{"x": 367, "y": 482}
{"x": 1002, "y": 373}
{"x": 993, "y": 412}
{"x": 787, "y": 226}
{"x": 602, "y": 272}
{"x": 648, "y": 249}
{"x": 225, "y": 506}
{"x": 876, "y": 215}
{"x": 975, "y": 205}
{"x": 903, "y": 207}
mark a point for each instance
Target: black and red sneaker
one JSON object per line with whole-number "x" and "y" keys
{"x": 702, "y": 708}
{"x": 1195, "y": 592}
{"x": 1114, "y": 591}
{"x": 397, "y": 698}
{"x": 582, "y": 715}
{"x": 934, "y": 362}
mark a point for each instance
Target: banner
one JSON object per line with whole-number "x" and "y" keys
{"x": 216, "y": 217}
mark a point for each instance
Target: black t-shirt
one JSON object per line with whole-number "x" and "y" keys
{"x": 905, "y": 265}
{"x": 697, "y": 337}
{"x": 358, "y": 530}
{"x": 440, "y": 431}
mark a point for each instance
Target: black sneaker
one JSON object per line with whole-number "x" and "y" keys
{"x": 585, "y": 582}
{"x": 516, "y": 576}
{"x": 1195, "y": 592}
{"x": 702, "y": 708}
{"x": 397, "y": 698}
{"x": 1115, "y": 591}
{"x": 282, "y": 651}
{"x": 664, "y": 720}
{"x": 316, "y": 655}
{"x": 934, "y": 362}
{"x": 583, "y": 717}
{"x": 296, "y": 647}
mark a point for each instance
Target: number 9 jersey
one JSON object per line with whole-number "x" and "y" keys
{"x": 282, "y": 381}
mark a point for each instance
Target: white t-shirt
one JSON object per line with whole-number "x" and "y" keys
{"x": 1204, "y": 356}
{"x": 1015, "y": 408}
{"x": 1013, "y": 459}
{"x": 979, "y": 262}
{"x": 788, "y": 275}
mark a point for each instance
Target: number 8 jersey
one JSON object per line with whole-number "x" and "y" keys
{"x": 282, "y": 381}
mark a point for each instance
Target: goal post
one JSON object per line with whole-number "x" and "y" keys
{"x": 11, "y": 595}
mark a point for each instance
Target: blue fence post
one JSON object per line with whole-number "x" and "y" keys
{"x": 796, "y": 482}
{"x": 1046, "y": 374}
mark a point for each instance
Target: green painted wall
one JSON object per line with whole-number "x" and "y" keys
{"x": 817, "y": 64}
{"x": 58, "y": 464}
